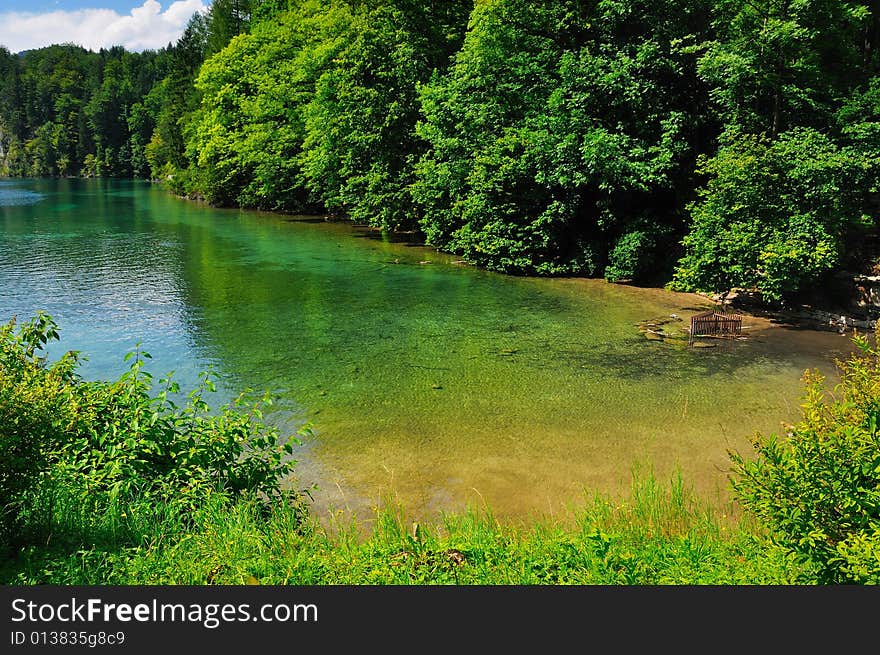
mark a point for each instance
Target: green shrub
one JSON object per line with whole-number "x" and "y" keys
{"x": 818, "y": 488}
{"x": 632, "y": 257}
{"x": 33, "y": 410}
{"x": 773, "y": 214}
{"x": 109, "y": 443}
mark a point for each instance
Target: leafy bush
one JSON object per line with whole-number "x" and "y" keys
{"x": 818, "y": 489}
{"x": 116, "y": 441}
{"x": 634, "y": 255}
{"x": 33, "y": 409}
{"x": 773, "y": 214}
{"x": 556, "y": 126}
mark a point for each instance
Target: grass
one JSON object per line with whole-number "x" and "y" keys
{"x": 662, "y": 535}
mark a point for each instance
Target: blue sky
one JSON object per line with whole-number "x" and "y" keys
{"x": 135, "y": 24}
{"x": 41, "y": 6}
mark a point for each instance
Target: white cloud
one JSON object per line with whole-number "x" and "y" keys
{"x": 146, "y": 27}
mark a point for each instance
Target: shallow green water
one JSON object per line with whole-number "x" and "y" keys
{"x": 424, "y": 379}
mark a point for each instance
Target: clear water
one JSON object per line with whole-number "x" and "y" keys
{"x": 426, "y": 381}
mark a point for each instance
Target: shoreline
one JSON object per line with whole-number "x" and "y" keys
{"x": 804, "y": 316}
{"x": 810, "y": 316}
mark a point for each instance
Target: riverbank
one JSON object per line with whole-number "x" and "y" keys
{"x": 845, "y": 312}
{"x": 662, "y": 534}
{"x": 849, "y": 305}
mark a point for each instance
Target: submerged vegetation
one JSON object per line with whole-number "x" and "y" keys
{"x": 114, "y": 483}
{"x": 708, "y": 144}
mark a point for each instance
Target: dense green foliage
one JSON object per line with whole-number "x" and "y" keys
{"x": 789, "y": 188}
{"x": 661, "y": 535}
{"x": 247, "y": 133}
{"x": 317, "y": 108}
{"x": 360, "y": 142}
{"x": 711, "y": 143}
{"x": 775, "y": 215}
{"x": 100, "y": 445}
{"x": 68, "y": 111}
{"x": 818, "y": 488}
{"x": 562, "y": 133}
{"x": 31, "y": 399}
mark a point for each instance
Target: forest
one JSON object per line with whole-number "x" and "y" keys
{"x": 703, "y": 144}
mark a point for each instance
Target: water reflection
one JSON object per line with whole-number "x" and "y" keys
{"x": 439, "y": 383}
{"x": 12, "y": 195}
{"x": 109, "y": 281}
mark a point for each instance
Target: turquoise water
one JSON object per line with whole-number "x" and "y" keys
{"x": 424, "y": 380}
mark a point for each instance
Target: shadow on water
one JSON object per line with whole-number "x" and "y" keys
{"x": 313, "y": 220}
{"x": 396, "y": 238}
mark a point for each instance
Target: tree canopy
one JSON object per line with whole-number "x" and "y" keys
{"x": 710, "y": 144}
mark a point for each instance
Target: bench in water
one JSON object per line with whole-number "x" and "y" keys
{"x": 716, "y": 323}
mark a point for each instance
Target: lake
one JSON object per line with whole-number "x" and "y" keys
{"x": 427, "y": 382}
